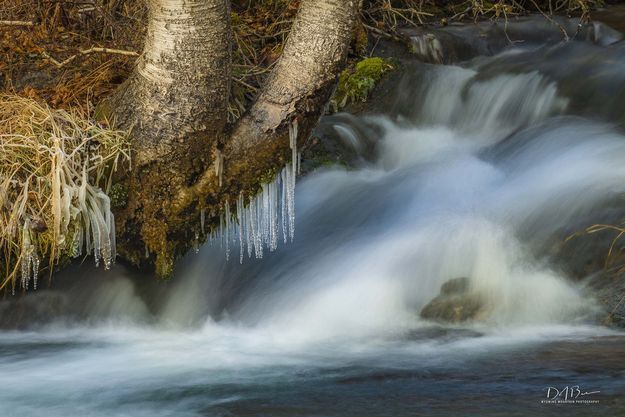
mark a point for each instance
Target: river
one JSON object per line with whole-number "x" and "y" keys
{"x": 478, "y": 165}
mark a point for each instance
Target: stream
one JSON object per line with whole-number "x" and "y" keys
{"x": 477, "y": 166}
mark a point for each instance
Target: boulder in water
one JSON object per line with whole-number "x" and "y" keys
{"x": 455, "y": 303}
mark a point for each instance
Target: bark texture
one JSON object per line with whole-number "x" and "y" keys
{"x": 185, "y": 164}
{"x": 182, "y": 80}
{"x": 175, "y": 102}
{"x": 299, "y": 87}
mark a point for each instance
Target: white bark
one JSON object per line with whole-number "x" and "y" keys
{"x": 312, "y": 59}
{"x": 298, "y": 87}
{"x": 182, "y": 80}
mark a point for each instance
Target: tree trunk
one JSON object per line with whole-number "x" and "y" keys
{"x": 298, "y": 88}
{"x": 176, "y": 100}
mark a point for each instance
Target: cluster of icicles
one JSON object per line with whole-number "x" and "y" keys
{"x": 266, "y": 218}
{"x": 84, "y": 211}
{"x": 96, "y": 231}
{"x": 30, "y": 259}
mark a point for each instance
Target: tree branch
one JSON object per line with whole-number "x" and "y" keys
{"x": 60, "y": 64}
{"x": 299, "y": 87}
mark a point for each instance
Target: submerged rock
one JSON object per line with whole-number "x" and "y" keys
{"x": 455, "y": 303}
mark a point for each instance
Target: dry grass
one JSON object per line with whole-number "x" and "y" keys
{"x": 52, "y": 165}
{"x": 58, "y": 30}
{"x": 260, "y": 29}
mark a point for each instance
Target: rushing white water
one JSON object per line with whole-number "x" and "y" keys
{"x": 475, "y": 182}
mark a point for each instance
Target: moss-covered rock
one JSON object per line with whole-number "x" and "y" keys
{"x": 455, "y": 303}
{"x": 118, "y": 195}
{"x": 356, "y": 84}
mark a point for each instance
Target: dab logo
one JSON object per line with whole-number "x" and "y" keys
{"x": 572, "y": 394}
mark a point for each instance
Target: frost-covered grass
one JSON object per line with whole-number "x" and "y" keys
{"x": 55, "y": 169}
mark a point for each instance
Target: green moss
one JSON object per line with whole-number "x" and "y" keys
{"x": 356, "y": 84}
{"x": 164, "y": 265}
{"x": 118, "y": 195}
{"x": 269, "y": 176}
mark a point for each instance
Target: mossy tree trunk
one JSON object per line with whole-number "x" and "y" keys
{"x": 176, "y": 104}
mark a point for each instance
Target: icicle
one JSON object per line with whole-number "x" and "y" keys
{"x": 290, "y": 203}
{"x": 248, "y": 230}
{"x": 77, "y": 243}
{"x": 203, "y": 219}
{"x": 256, "y": 233}
{"x": 273, "y": 208}
{"x": 113, "y": 239}
{"x": 105, "y": 223}
{"x": 264, "y": 213}
{"x": 196, "y": 243}
{"x": 227, "y": 230}
{"x": 95, "y": 228}
{"x": 299, "y": 163}
{"x": 241, "y": 219}
{"x": 221, "y": 230}
{"x": 258, "y": 225}
{"x": 26, "y": 254}
{"x": 35, "y": 264}
{"x": 66, "y": 201}
{"x": 293, "y": 176}
{"x": 30, "y": 260}
{"x": 283, "y": 199}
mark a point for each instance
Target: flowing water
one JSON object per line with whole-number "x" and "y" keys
{"x": 476, "y": 170}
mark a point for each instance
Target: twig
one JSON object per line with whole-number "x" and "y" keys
{"x": 377, "y": 31}
{"x": 244, "y": 84}
{"x": 16, "y": 23}
{"x": 87, "y": 52}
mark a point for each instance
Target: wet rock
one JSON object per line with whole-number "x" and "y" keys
{"x": 613, "y": 16}
{"x": 24, "y": 311}
{"x": 583, "y": 258}
{"x": 462, "y": 42}
{"x": 608, "y": 288}
{"x": 455, "y": 303}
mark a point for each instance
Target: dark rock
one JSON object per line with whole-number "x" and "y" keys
{"x": 613, "y": 16}
{"x": 462, "y": 42}
{"x": 583, "y": 257}
{"x": 26, "y": 310}
{"x": 608, "y": 287}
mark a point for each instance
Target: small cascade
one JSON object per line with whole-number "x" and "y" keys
{"x": 427, "y": 47}
{"x": 271, "y": 213}
{"x": 461, "y": 99}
